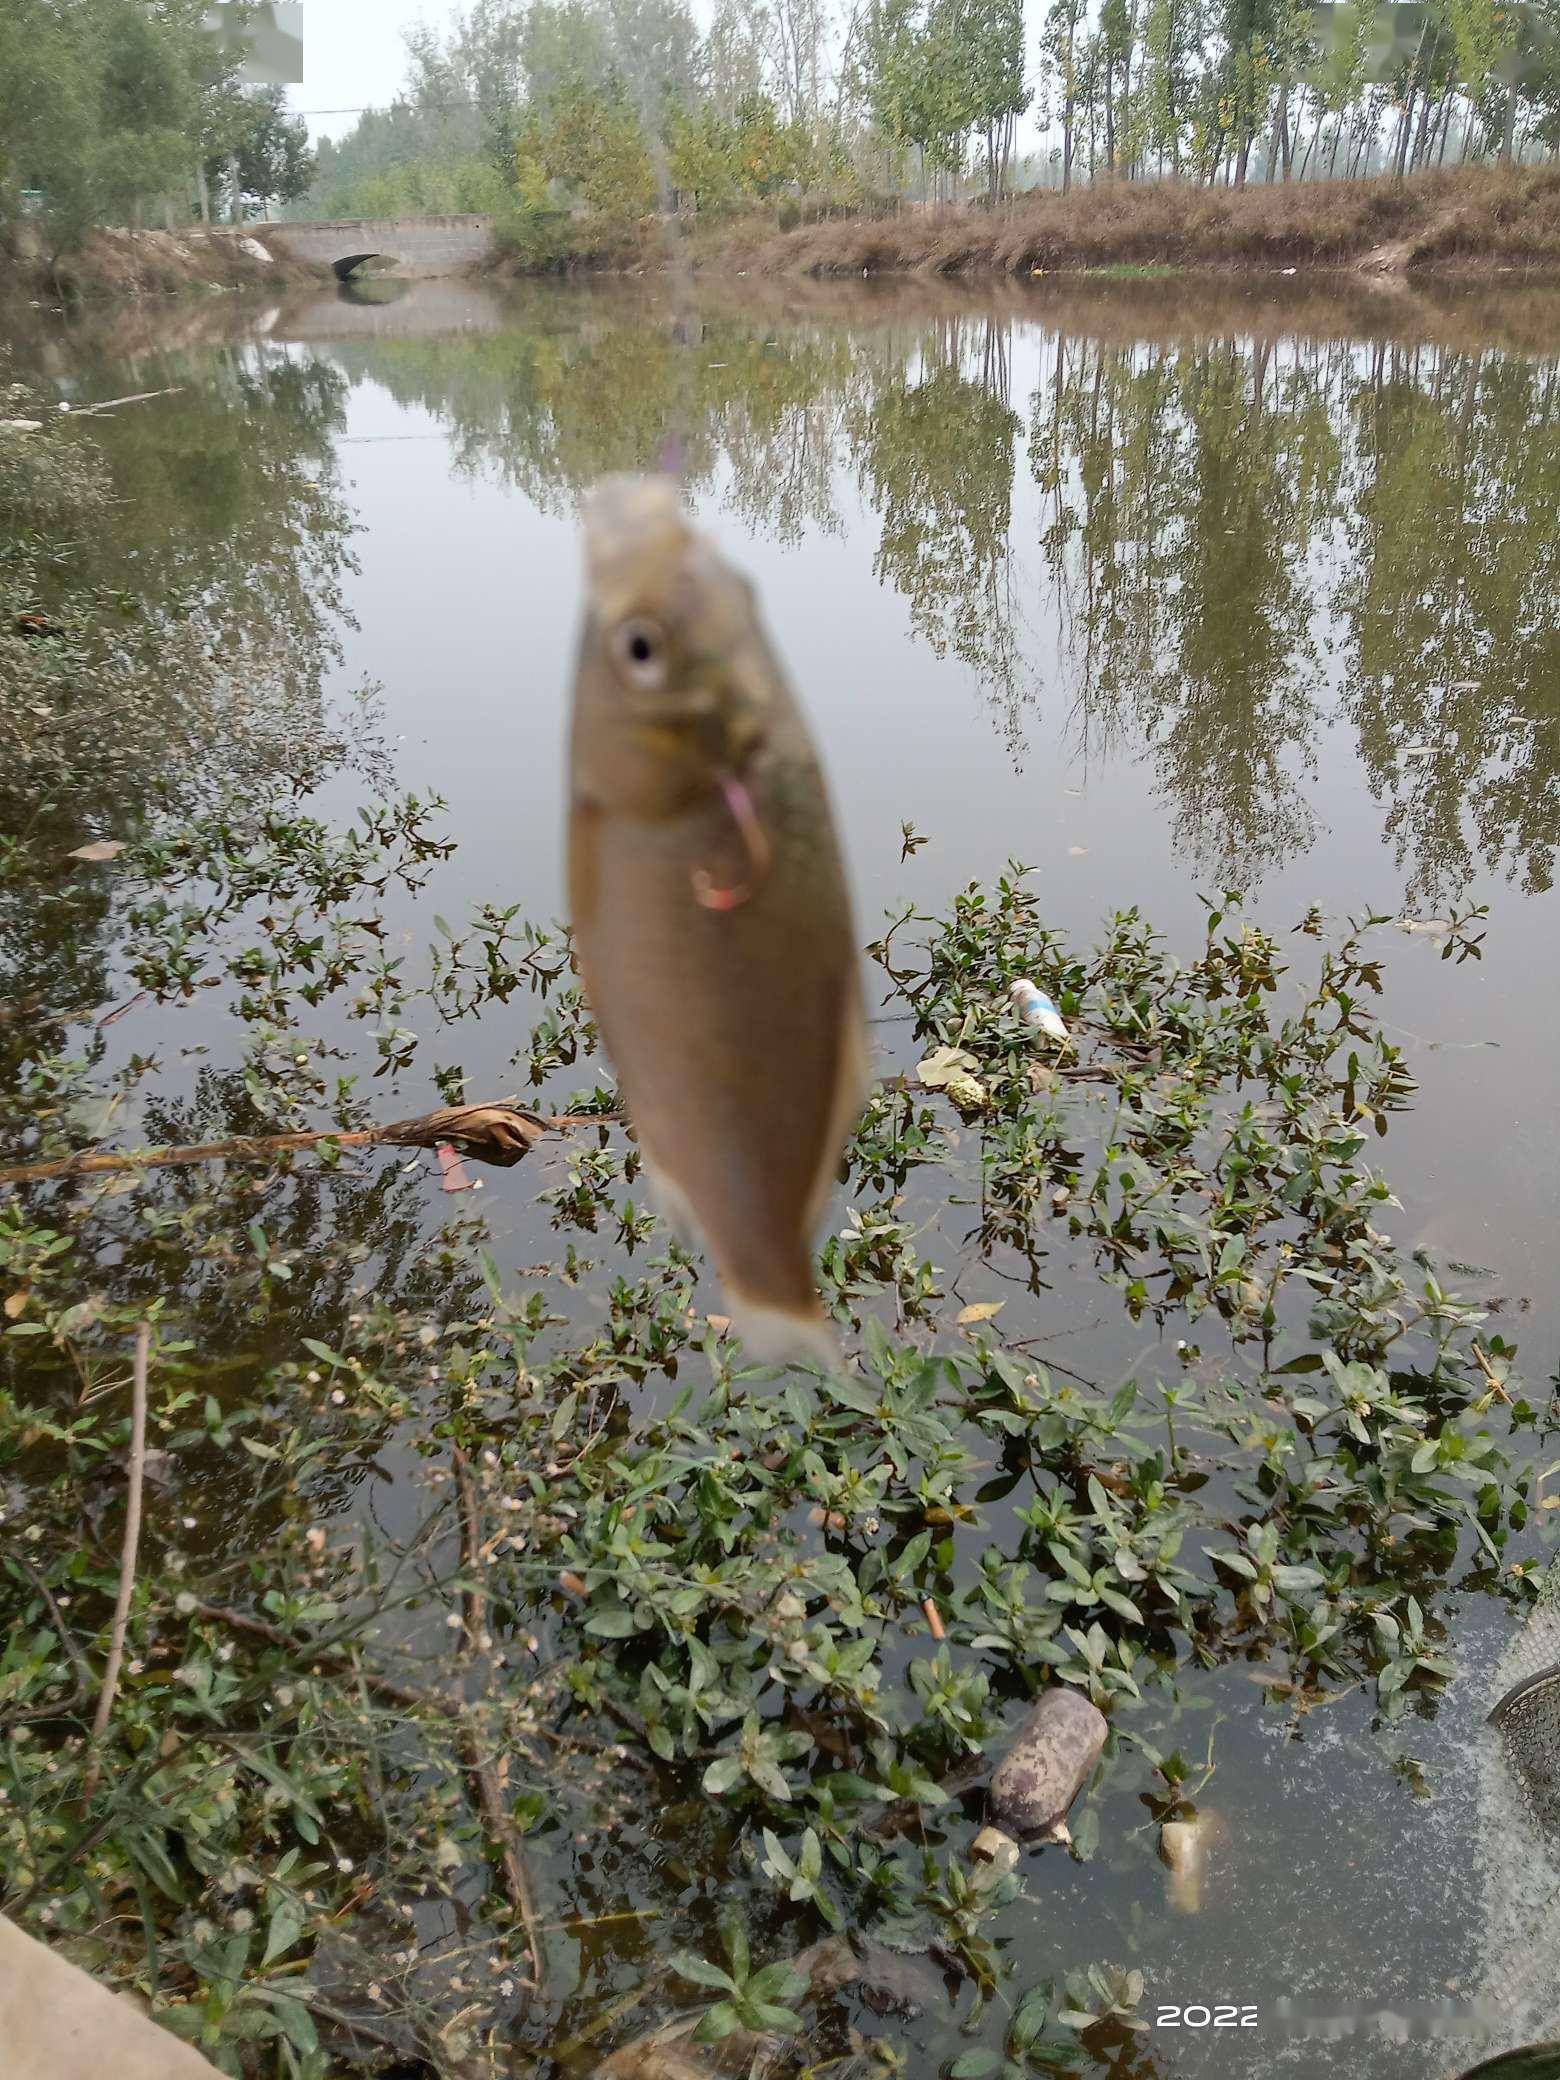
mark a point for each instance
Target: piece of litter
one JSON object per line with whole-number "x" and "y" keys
{"x": 992, "y": 1846}
{"x": 1436, "y": 927}
{"x": 100, "y": 849}
{"x": 1036, "y": 1009}
{"x": 1077, "y": 852}
{"x": 1046, "y": 1767}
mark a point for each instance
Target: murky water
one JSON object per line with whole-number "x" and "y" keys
{"x": 1159, "y": 588}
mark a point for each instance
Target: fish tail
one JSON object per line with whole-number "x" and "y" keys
{"x": 784, "y": 1335}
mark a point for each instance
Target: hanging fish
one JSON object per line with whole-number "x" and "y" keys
{"x": 710, "y": 908}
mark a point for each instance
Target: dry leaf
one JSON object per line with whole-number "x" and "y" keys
{"x": 945, "y": 1065}
{"x": 15, "y": 1302}
{"x": 982, "y": 1311}
{"x": 498, "y": 1133}
{"x": 100, "y": 849}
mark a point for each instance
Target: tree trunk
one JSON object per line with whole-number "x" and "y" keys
{"x": 1315, "y": 137}
{"x": 1430, "y": 107}
{"x": 1242, "y": 158}
{"x": 202, "y": 192}
{"x": 1278, "y": 149}
{"x": 1509, "y": 128}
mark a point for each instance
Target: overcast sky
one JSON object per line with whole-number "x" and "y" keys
{"x": 353, "y": 56}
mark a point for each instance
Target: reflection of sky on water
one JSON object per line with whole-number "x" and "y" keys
{"x": 466, "y": 601}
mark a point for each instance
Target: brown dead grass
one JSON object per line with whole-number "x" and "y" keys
{"x": 1475, "y": 216}
{"x": 151, "y": 263}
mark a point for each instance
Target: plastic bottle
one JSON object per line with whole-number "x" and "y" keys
{"x": 1036, "y": 1009}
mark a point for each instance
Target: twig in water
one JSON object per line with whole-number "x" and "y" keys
{"x": 127, "y": 1555}
{"x": 490, "y": 1797}
{"x": 1492, "y": 1378}
{"x": 86, "y": 411}
{"x": 497, "y": 1132}
{"x": 78, "y": 1660}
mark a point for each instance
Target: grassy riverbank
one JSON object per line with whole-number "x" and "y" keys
{"x": 115, "y": 261}
{"x": 1470, "y": 219}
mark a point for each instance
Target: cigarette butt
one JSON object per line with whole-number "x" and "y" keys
{"x": 933, "y": 1618}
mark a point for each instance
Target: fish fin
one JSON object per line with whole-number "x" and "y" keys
{"x": 784, "y": 1335}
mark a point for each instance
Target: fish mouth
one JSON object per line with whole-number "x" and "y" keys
{"x": 626, "y": 520}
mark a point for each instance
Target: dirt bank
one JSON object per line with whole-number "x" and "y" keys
{"x": 151, "y": 263}
{"x": 1473, "y": 218}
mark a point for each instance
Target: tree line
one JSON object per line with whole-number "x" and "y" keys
{"x": 1204, "y": 550}
{"x": 607, "y": 108}
{"x": 130, "y": 112}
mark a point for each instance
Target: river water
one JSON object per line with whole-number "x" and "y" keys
{"x": 1159, "y": 587}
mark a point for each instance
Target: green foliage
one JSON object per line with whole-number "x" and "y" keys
{"x": 107, "y": 106}
{"x": 275, "y": 163}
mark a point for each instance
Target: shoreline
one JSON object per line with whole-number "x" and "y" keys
{"x": 1474, "y": 223}
{"x": 1473, "y": 220}
{"x": 1470, "y": 221}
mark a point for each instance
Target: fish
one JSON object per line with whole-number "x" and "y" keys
{"x": 711, "y": 910}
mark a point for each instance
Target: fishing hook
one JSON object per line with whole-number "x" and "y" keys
{"x": 755, "y": 841}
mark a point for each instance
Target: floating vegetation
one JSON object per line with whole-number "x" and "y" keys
{"x": 513, "y": 1677}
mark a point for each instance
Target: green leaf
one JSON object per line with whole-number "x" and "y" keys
{"x": 733, "y": 1934}
{"x": 612, "y": 1623}
{"x": 972, "y": 2065}
{"x": 718, "y": 2022}
{"x": 284, "y": 1929}
{"x": 700, "y": 1972}
{"x": 768, "y": 2016}
{"x": 1029, "y": 2018}
{"x": 781, "y": 1981}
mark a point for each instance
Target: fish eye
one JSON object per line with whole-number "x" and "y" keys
{"x": 639, "y": 647}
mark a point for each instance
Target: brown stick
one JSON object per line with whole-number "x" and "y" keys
{"x": 497, "y": 1132}
{"x": 490, "y": 1796}
{"x": 1492, "y": 1378}
{"x": 127, "y": 1554}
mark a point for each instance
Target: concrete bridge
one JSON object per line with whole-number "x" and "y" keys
{"x": 418, "y": 245}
